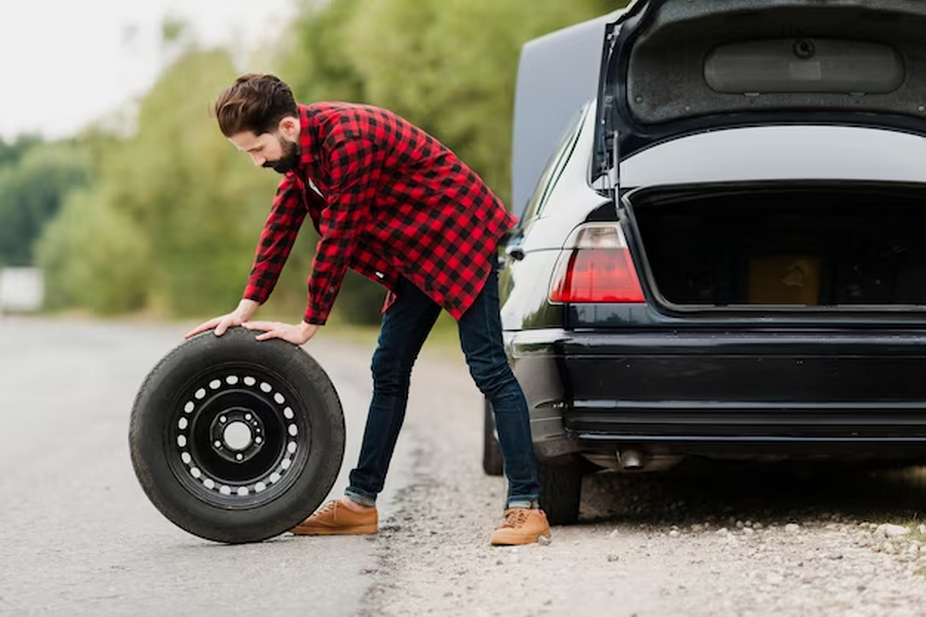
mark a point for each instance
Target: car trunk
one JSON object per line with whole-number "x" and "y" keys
{"x": 857, "y": 246}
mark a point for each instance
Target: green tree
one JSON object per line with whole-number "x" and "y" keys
{"x": 31, "y": 193}
{"x": 95, "y": 257}
{"x": 11, "y": 152}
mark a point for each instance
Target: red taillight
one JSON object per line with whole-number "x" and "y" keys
{"x": 597, "y": 269}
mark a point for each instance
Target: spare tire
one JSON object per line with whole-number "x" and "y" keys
{"x": 236, "y": 440}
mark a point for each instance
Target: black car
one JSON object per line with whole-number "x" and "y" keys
{"x": 725, "y": 255}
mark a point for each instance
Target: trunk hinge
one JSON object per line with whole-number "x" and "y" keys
{"x": 616, "y": 149}
{"x": 606, "y": 110}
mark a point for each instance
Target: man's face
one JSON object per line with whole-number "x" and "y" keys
{"x": 276, "y": 150}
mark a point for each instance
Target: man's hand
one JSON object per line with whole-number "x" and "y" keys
{"x": 245, "y": 310}
{"x": 297, "y": 334}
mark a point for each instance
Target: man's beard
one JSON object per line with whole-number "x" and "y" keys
{"x": 288, "y": 161}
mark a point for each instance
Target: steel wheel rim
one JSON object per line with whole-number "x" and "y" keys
{"x": 235, "y": 437}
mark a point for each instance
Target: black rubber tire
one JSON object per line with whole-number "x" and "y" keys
{"x": 492, "y": 462}
{"x": 287, "y": 397}
{"x": 561, "y": 491}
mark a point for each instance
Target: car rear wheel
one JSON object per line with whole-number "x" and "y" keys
{"x": 560, "y": 491}
{"x": 491, "y": 450}
{"x": 236, "y": 440}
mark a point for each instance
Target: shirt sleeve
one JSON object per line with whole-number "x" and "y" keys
{"x": 353, "y": 161}
{"x": 276, "y": 240}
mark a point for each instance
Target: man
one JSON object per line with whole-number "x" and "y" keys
{"x": 394, "y": 204}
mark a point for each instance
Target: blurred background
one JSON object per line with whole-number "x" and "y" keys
{"x": 118, "y": 194}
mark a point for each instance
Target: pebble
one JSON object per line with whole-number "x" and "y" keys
{"x": 612, "y": 557}
{"x": 722, "y": 531}
{"x": 749, "y": 531}
{"x": 674, "y": 533}
{"x": 892, "y": 531}
{"x": 792, "y": 528}
{"x": 544, "y": 541}
{"x": 613, "y": 534}
{"x": 922, "y": 529}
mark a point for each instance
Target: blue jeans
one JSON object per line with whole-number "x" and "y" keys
{"x": 406, "y": 325}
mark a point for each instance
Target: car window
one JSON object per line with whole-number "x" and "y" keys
{"x": 554, "y": 167}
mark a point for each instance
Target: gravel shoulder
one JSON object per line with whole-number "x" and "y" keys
{"x": 702, "y": 539}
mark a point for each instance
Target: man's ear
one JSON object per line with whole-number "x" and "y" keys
{"x": 289, "y": 126}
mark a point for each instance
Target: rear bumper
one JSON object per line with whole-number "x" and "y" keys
{"x": 840, "y": 393}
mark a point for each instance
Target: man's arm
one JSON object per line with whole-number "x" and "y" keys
{"x": 276, "y": 240}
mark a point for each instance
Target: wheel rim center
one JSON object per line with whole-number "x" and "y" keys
{"x": 237, "y": 436}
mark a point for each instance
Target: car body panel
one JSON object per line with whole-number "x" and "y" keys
{"x": 598, "y": 392}
{"x": 779, "y": 153}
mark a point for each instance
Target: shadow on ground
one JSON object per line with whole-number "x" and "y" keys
{"x": 722, "y": 493}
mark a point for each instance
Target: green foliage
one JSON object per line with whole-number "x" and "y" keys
{"x": 10, "y": 153}
{"x": 31, "y": 192}
{"x": 94, "y": 257}
{"x": 317, "y": 62}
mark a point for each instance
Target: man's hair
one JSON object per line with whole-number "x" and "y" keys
{"x": 255, "y": 103}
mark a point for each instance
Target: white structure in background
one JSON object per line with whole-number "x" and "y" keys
{"x": 21, "y": 289}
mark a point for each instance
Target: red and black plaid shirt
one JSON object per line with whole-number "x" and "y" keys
{"x": 391, "y": 201}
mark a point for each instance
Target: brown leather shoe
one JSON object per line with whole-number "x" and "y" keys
{"x": 522, "y": 526}
{"x": 338, "y": 519}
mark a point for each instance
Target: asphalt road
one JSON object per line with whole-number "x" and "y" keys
{"x": 79, "y": 537}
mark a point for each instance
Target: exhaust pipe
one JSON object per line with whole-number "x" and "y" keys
{"x": 630, "y": 460}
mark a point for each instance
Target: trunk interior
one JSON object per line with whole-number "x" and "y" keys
{"x": 816, "y": 246}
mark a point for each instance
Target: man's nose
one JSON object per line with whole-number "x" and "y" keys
{"x": 257, "y": 160}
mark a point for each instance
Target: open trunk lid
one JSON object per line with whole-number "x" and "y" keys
{"x": 672, "y": 67}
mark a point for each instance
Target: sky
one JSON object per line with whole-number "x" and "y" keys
{"x": 67, "y": 63}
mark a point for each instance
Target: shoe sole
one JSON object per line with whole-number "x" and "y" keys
{"x": 521, "y": 541}
{"x": 359, "y": 530}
